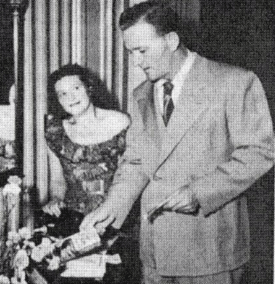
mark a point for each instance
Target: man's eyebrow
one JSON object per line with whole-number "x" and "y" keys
{"x": 135, "y": 48}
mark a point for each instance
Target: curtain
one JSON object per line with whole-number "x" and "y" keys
{"x": 56, "y": 33}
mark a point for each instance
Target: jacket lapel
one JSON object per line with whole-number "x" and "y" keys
{"x": 192, "y": 104}
{"x": 145, "y": 99}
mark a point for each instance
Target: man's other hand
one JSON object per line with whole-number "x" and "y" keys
{"x": 181, "y": 201}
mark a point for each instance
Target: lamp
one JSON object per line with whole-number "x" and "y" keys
{"x": 16, "y": 3}
{"x": 19, "y": 5}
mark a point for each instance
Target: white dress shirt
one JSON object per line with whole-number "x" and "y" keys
{"x": 177, "y": 82}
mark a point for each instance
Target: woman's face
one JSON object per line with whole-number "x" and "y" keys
{"x": 72, "y": 95}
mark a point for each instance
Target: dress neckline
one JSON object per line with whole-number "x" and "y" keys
{"x": 90, "y": 144}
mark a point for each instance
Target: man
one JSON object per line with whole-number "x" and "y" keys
{"x": 201, "y": 135}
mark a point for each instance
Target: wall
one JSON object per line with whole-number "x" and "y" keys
{"x": 242, "y": 33}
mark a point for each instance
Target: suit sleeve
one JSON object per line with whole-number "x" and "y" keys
{"x": 130, "y": 179}
{"x": 250, "y": 133}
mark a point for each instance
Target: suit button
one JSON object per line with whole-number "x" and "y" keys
{"x": 156, "y": 178}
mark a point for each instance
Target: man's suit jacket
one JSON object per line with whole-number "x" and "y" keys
{"x": 218, "y": 142}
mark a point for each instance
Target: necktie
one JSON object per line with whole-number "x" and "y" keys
{"x": 168, "y": 104}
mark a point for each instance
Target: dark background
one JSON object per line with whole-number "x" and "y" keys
{"x": 242, "y": 32}
{"x": 6, "y": 53}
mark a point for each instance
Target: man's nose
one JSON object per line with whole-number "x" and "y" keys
{"x": 137, "y": 60}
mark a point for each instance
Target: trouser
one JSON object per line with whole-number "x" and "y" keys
{"x": 151, "y": 276}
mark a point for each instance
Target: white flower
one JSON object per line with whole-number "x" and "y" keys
{"x": 20, "y": 275}
{"x": 4, "y": 279}
{"x": 38, "y": 254}
{"x": 42, "y": 250}
{"x": 25, "y": 233}
{"x": 9, "y": 243}
{"x": 54, "y": 263}
{"x": 21, "y": 259}
{"x": 14, "y": 280}
{"x": 31, "y": 244}
{"x": 43, "y": 230}
{"x": 15, "y": 180}
{"x": 14, "y": 237}
{"x": 46, "y": 242}
{"x": 11, "y": 188}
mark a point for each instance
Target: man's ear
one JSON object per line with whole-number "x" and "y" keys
{"x": 172, "y": 40}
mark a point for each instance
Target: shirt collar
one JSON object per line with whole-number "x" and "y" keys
{"x": 178, "y": 80}
{"x": 185, "y": 68}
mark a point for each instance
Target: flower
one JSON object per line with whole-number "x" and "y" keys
{"x": 21, "y": 259}
{"x": 54, "y": 263}
{"x": 42, "y": 250}
{"x": 15, "y": 180}
{"x": 42, "y": 229}
{"x": 14, "y": 237}
{"x": 9, "y": 243}
{"x": 25, "y": 233}
{"x": 38, "y": 254}
{"x": 11, "y": 188}
{"x": 4, "y": 279}
{"x": 14, "y": 280}
{"x": 46, "y": 242}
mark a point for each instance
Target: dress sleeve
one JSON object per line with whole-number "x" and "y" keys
{"x": 53, "y": 133}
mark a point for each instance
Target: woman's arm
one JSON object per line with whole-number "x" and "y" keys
{"x": 57, "y": 181}
{"x": 57, "y": 186}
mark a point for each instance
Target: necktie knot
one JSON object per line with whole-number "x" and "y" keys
{"x": 167, "y": 88}
{"x": 168, "y": 105}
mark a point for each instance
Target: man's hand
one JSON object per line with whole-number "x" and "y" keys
{"x": 181, "y": 201}
{"x": 101, "y": 218}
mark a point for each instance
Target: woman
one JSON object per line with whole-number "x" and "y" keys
{"x": 85, "y": 142}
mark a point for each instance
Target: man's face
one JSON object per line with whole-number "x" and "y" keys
{"x": 149, "y": 51}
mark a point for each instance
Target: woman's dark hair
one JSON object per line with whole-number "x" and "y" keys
{"x": 96, "y": 89}
{"x": 161, "y": 16}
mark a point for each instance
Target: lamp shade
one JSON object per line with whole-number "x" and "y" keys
{"x": 17, "y": 3}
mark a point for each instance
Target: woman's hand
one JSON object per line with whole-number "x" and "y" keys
{"x": 54, "y": 207}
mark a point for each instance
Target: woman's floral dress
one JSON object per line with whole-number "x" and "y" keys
{"x": 88, "y": 169}
{"x": 88, "y": 172}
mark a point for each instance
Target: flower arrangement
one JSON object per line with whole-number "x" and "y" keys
{"x": 23, "y": 250}
{"x": 15, "y": 257}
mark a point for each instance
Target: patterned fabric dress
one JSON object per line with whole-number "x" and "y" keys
{"x": 88, "y": 169}
{"x": 88, "y": 172}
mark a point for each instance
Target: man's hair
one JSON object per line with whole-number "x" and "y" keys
{"x": 161, "y": 16}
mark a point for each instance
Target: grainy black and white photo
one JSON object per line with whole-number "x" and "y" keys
{"x": 137, "y": 141}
